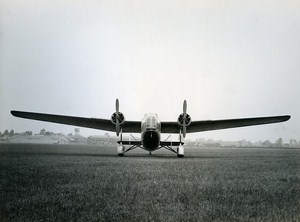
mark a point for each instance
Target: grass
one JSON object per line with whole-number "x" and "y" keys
{"x": 64, "y": 183}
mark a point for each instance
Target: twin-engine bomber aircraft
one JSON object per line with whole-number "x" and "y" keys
{"x": 150, "y": 127}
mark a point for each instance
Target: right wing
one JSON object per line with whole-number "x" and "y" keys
{"x": 199, "y": 126}
{"x": 101, "y": 124}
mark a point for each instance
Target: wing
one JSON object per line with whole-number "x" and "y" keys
{"x": 199, "y": 126}
{"x": 101, "y": 124}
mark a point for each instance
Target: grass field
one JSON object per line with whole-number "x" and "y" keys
{"x": 81, "y": 183}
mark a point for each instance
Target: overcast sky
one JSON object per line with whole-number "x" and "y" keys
{"x": 228, "y": 59}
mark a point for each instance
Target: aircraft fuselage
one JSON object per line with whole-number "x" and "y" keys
{"x": 150, "y": 132}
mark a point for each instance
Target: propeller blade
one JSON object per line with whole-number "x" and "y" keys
{"x": 184, "y": 107}
{"x": 184, "y": 129}
{"x": 117, "y": 105}
{"x": 117, "y": 127}
{"x": 117, "y": 118}
{"x": 184, "y": 119}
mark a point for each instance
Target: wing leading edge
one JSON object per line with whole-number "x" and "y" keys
{"x": 95, "y": 123}
{"x": 199, "y": 126}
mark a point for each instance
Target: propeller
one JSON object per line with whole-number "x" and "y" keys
{"x": 117, "y": 118}
{"x": 184, "y": 119}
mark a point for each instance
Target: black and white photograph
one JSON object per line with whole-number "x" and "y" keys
{"x": 160, "y": 110}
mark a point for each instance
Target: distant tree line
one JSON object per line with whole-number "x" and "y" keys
{"x": 27, "y": 133}
{"x": 8, "y": 133}
{"x": 242, "y": 143}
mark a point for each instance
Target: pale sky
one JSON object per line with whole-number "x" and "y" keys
{"x": 228, "y": 59}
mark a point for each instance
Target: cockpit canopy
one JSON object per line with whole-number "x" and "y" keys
{"x": 151, "y": 121}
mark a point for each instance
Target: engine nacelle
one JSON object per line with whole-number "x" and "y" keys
{"x": 118, "y": 115}
{"x": 187, "y": 119}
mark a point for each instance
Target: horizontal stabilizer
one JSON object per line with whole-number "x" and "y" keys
{"x": 130, "y": 143}
{"x": 171, "y": 143}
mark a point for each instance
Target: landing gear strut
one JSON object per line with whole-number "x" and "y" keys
{"x": 180, "y": 149}
{"x": 120, "y": 147}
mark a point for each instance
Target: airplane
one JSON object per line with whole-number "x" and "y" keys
{"x": 150, "y": 127}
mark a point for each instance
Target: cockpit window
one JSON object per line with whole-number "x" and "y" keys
{"x": 151, "y": 122}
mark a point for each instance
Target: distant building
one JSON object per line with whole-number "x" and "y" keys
{"x": 77, "y": 131}
{"x": 105, "y": 139}
{"x": 42, "y": 139}
{"x": 4, "y": 138}
{"x": 98, "y": 140}
{"x": 76, "y": 139}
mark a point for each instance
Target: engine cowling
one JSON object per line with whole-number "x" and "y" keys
{"x": 117, "y": 116}
{"x": 181, "y": 119}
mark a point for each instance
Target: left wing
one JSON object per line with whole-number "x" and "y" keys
{"x": 101, "y": 124}
{"x": 199, "y": 126}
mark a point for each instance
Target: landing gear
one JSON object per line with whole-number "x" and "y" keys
{"x": 180, "y": 151}
{"x": 121, "y": 149}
